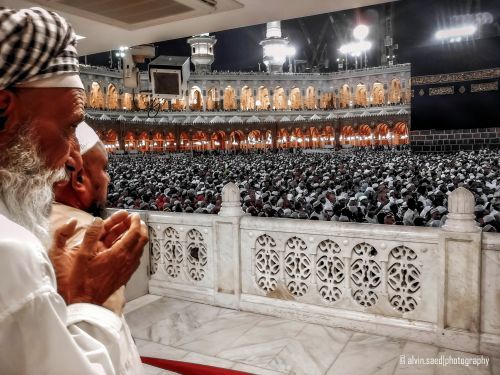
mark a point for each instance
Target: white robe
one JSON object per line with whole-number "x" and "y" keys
{"x": 130, "y": 361}
{"x": 39, "y": 334}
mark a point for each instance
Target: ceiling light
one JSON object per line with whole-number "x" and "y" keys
{"x": 355, "y": 48}
{"x": 456, "y": 32}
{"x": 360, "y": 32}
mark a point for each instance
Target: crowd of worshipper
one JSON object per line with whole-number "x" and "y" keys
{"x": 363, "y": 185}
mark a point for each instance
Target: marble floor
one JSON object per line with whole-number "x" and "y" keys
{"x": 259, "y": 344}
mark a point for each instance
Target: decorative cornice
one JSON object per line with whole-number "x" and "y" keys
{"x": 456, "y": 77}
{"x": 444, "y": 90}
{"x": 483, "y": 87}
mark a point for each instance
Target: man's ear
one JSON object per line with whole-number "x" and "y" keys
{"x": 78, "y": 181}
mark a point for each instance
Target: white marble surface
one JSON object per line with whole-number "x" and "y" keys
{"x": 139, "y": 302}
{"x": 258, "y": 344}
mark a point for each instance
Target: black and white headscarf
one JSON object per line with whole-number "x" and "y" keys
{"x": 35, "y": 44}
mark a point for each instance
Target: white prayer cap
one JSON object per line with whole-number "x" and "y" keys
{"x": 488, "y": 219}
{"x": 86, "y": 136}
{"x": 66, "y": 80}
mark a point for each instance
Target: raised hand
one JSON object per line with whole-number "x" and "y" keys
{"x": 106, "y": 259}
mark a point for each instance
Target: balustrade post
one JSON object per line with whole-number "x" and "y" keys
{"x": 460, "y": 272}
{"x": 226, "y": 234}
{"x": 138, "y": 285}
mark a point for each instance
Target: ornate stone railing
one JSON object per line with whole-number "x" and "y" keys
{"x": 430, "y": 285}
{"x": 182, "y": 256}
{"x": 349, "y": 271}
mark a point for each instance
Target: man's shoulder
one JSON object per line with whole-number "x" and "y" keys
{"x": 12, "y": 232}
{"x": 24, "y": 265}
{"x": 61, "y": 214}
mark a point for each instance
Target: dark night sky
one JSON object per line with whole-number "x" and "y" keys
{"x": 414, "y": 23}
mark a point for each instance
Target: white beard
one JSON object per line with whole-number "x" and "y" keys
{"x": 26, "y": 187}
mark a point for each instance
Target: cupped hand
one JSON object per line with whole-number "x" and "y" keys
{"x": 105, "y": 260}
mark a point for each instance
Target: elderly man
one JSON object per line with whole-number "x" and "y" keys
{"x": 81, "y": 196}
{"x": 41, "y": 103}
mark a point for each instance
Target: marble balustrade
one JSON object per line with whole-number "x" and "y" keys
{"x": 433, "y": 285}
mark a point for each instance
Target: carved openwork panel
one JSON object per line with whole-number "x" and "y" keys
{"x": 403, "y": 277}
{"x": 196, "y": 255}
{"x": 266, "y": 263}
{"x": 330, "y": 271}
{"x": 365, "y": 274}
{"x": 172, "y": 252}
{"x": 297, "y": 266}
{"x": 154, "y": 250}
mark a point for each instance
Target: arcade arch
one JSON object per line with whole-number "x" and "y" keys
{"x": 236, "y": 140}
{"x": 378, "y": 94}
{"x": 254, "y": 139}
{"x": 229, "y": 101}
{"x": 195, "y": 99}
{"x": 345, "y": 96}
{"x": 218, "y": 140}
{"x": 164, "y": 106}
{"x": 185, "y": 141}
{"x": 295, "y": 99}
{"x": 110, "y": 140}
{"x": 297, "y": 138}
{"x": 157, "y": 142}
{"x": 279, "y": 98}
{"x": 327, "y": 137}
{"x": 130, "y": 141}
{"x": 127, "y": 101}
{"x": 313, "y": 138}
{"x": 364, "y": 136}
{"x": 212, "y": 99}
{"x": 361, "y": 99}
{"x": 400, "y": 134}
{"x": 112, "y": 97}
{"x": 310, "y": 102}
{"x": 395, "y": 92}
{"x": 262, "y": 102}
{"x": 178, "y": 105}
{"x": 268, "y": 140}
{"x": 142, "y": 101}
{"x": 96, "y": 96}
{"x": 246, "y": 99}
{"x": 327, "y": 100}
{"x": 283, "y": 140}
{"x": 382, "y": 134}
{"x": 347, "y": 136}
{"x": 170, "y": 144}
{"x": 144, "y": 142}
{"x": 200, "y": 141}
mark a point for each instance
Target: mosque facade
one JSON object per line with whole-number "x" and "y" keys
{"x": 253, "y": 110}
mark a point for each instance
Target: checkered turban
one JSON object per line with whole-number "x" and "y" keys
{"x": 35, "y": 45}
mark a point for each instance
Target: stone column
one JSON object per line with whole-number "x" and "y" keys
{"x": 336, "y": 127}
{"x": 460, "y": 270}
{"x": 227, "y": 248}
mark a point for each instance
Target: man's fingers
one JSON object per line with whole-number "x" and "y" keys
{"x": 91, "y": 238}
{"x": 144, "y": 233}
{"x": 135, "y": 238}
{"x": 61, "y": 236}
{"x": 133, "y": 234}
{"x": 114, "y": 233}
{"x": 115, "y": 219}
